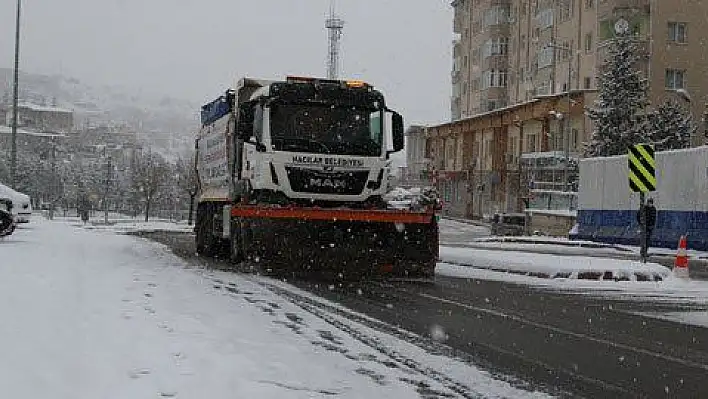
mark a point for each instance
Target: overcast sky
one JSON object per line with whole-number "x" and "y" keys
{"x": 194, "y": 49}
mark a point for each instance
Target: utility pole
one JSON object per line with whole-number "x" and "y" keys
{"x": 567, "y": 128}
{"x": 15, "y": 100}
{"x": 53, "y": 189}
{"x": 566, "y": 122}
{"x": 107, "y": 187}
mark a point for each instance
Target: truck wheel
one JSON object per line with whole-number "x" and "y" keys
{"x": 204, "y": 239}
{"x": 236, "y": 247}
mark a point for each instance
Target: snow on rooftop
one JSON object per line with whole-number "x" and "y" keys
{"x": 8, "y": 130}
{"x": 44, "y": 108}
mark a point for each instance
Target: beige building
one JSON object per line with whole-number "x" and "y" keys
{"x": 510, "y": 51}
{"x": 524, "y": 71}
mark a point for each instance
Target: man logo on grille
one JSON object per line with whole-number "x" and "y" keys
{"x": 330, "y": 183}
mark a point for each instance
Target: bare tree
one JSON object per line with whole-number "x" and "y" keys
{"x": 150, "y": 172}
{"x": 186, "y": 182}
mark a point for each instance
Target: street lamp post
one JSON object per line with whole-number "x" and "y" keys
{"x": 566, "y": 123}
{"x": 15, "y": 98}
{"x": 685, "y": 97}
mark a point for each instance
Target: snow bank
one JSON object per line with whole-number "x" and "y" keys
{"x": 126, "y": 224}
{"x": 671, "y": 290}
{"x": 554, "y": 266}
{"x": 413, "y": 198}
{"x": 699, "y": 319}
{"x": 139, "y": 227}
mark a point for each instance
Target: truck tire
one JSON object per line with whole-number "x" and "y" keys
{"x": 236, "y": 253}
{"x": 204, "y": 239}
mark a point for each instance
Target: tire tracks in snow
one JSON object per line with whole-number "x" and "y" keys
{"x": 342, "y": 319}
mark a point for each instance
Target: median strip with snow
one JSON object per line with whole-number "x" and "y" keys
{"x": 554, "y": 266}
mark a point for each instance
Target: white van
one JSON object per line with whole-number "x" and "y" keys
{"x": 21, "y": 204}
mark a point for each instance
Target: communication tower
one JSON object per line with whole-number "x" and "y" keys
{"x": 335, "y": 26}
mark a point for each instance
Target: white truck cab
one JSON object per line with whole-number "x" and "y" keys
{"x": 332, "y": 144}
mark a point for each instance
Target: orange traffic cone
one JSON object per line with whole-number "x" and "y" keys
{"x": 681, "y": 263}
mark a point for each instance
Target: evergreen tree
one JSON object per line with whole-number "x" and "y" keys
{"x": 618, "y": 115}
{"x": 671, "y": 127}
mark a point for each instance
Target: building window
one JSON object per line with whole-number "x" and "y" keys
{"x": 474, "y": 85}
{"x": 588, "y": 83}
{"x": 475, "y": 56}
{"x": 544, "y": 19}
{"x": 495, "y": 78}
{"x": 545, "y": 57}
{"x": 589, "y": 4}
{"x": 588, "y": 42}
{"x": 531, "y": 143}
{"x": 675, "y": 79}
{"x": 498, "y": 46}
{"x": 566, "y": 10}
{"x": 543, "y": 88}
{"x": 476, "y": 27}
{"x": 464, "y": 63}
{"x": 502, "y": 78}
{"x": 496, "y": 15}
{"x": 677, "y": 32}
{"x": 574, "y": 135}
{"x": 566, "y": 52}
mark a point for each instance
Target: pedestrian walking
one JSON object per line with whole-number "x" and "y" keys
{"x": 650, "y": 219}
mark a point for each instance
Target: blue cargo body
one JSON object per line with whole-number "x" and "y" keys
{"x": 215, "y": 110}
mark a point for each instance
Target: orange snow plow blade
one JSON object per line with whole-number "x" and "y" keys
{"x": 349, "y": 215}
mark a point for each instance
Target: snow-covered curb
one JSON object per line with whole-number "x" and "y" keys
{"x": 672, "y": 290}
{"x": 128, "y": 226}
{"x": 554, "y": 266}
{"x": 551, "y": 241}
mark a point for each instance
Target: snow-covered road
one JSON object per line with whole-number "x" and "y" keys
{"x": 93, "y": 314}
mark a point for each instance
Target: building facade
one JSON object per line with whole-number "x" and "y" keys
{"x": 523, "y": 73}
{"x": 416, "y": 161}
{"x": 511, "y": 51}
{"x": 40, "y": 118}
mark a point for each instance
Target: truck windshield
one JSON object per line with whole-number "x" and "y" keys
{"x": 325, "y": 129}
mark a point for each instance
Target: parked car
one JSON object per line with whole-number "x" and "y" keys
{"x": 508, "y": 224}
{"x": 21, "y": 203}
{"x": 7, "y": 221}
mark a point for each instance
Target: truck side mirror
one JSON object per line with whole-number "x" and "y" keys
{"x": 397, "y": 132}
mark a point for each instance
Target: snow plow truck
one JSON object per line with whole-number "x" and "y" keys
{"x": 291, "y": 179}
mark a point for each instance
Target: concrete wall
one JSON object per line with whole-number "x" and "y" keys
{"x": 550, "y": 224}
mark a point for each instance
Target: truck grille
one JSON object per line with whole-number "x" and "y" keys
{"x": 322, "y": 182}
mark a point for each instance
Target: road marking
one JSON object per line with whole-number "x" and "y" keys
{"x": 567, "y": 332}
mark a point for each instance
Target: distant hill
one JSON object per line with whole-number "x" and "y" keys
{"x": 147, "y": 115}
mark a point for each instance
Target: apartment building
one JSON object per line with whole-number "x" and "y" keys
{"x": 523, "y": 73}
{"x": 416, "y": 162}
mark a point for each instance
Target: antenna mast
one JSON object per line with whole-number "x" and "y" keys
{"x": 335, "y": 26}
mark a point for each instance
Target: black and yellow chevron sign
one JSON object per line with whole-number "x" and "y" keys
{"x": 642, "y": 175}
